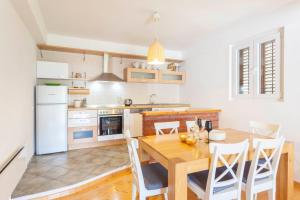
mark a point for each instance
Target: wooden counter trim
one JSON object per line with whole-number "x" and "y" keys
{"x": 187, "y": 112}
{"x": 130, "y": 107}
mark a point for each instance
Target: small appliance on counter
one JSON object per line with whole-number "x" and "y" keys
{"x": 128, "y": 102}
{"x": 77, "y": 103}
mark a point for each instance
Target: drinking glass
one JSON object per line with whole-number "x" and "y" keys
{"x": 199, "y": 122}
{"x": 208, "y": 127}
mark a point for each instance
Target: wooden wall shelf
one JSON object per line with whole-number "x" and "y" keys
{"x": 99, "y": 53}
{"x": 78, "y": 91}
{"x": 64, "y": 79}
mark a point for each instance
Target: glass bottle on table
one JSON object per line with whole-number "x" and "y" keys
{"x": 195, "y": 129}
{"x": 199, "y": 122}
{"x": 208, "y": 127}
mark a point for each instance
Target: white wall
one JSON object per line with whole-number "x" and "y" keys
{"x": 17, "y": 62}
{"x": 207, "y": 65}
{"x": 110, "y": 93}
{"x": 99, "y": 45}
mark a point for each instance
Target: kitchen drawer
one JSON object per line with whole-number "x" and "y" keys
{"x": 79, "y": 135}
{"x": 110, "y": 137}
{"x": 79, "y": 114}
{"x": 82, "y": 122}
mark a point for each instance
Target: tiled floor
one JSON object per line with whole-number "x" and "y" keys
{"x": 53, "y": 171}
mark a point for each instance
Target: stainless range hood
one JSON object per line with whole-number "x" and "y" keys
{"x": 107, "y": 74}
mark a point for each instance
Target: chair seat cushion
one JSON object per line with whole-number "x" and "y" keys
{"x": 155, "y": 176}
{"x": 200, "y": 179}
{"x": 261, "y": 161}
{"x": 247, "y": 169}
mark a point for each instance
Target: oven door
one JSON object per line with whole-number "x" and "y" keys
{"x": 110, "y": 125}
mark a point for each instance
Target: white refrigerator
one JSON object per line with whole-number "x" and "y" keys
{"x": 51, "y": 119}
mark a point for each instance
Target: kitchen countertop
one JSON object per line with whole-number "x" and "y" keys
{"x": 134, "y": 106}
{"x": 188, "y": 111}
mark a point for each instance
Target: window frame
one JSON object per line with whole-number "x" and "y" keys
{"x": 255, "y": 60}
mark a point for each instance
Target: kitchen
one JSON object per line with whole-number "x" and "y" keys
{"x": 104, "y": 101}
{"x": 88, "y": 88}
{"x": 78, "y": 109}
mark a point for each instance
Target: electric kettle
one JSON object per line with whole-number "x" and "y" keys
{"x": 128, "y": 102}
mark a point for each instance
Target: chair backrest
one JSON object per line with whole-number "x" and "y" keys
{"x": 229, "y": 178}
{"x": 160, "y": 126}
{"x": 271, "y": 130}
{"x": 268, "y": 151}
{"x": 189, "y": 125}
{"x": 136, "y": 169}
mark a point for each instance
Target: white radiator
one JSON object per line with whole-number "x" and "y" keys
{"x": 11, "y": 172}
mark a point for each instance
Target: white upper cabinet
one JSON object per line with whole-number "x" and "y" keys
{"x": 52, "y": 70}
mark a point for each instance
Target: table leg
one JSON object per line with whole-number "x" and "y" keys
{"x": 285, "y": 175}
{"x": 143, "y": 155}
{"x": 140, "y": 151}
{"x": 177, "y": 180}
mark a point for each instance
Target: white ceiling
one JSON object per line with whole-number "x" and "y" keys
{"x": 127, "y": 21}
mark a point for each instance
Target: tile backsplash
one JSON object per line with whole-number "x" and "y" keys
{"x": 111, "y": 92}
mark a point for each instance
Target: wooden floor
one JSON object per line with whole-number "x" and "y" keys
{"x": 119, "y": 188}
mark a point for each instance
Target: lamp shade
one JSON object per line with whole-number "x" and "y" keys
{"x": 156, "y": 54}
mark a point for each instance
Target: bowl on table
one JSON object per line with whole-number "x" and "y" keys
{"x": 217, "y": 135}
{"x": 183, "y": 137}
{"x": 191, "y": 140}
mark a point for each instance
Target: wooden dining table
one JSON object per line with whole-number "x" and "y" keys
{"x": 181, "y": 159}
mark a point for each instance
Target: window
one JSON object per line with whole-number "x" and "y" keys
{"x": 256, "y": 67}
{"x": 244, "y": 65}
{"x": 267, "y": 68}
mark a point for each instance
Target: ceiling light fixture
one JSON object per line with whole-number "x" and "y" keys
{"x": 156, "y": 52}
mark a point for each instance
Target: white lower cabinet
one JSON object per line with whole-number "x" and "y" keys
{"x": 82, "y": 129}
{"x": 136, "y": 124}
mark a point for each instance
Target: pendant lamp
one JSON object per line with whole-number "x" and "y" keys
{"x": 156, "y": 52}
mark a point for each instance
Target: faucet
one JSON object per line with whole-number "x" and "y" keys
{"x": 151, "y": 100}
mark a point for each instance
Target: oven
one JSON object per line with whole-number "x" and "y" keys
{"x": 110, "y": 124}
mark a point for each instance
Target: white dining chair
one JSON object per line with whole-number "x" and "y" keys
{"x": 260, "y": 177}
{"x": 189, "y": 125}
{"x": 149, "y": 179}
{"x": 222, "y": 182}
{"x": 172, "y": 126}
{"x": 266, "y": 129}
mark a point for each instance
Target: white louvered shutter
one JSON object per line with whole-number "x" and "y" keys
{"x": 244, "y": 71}
{"x": 268, "y": 68}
